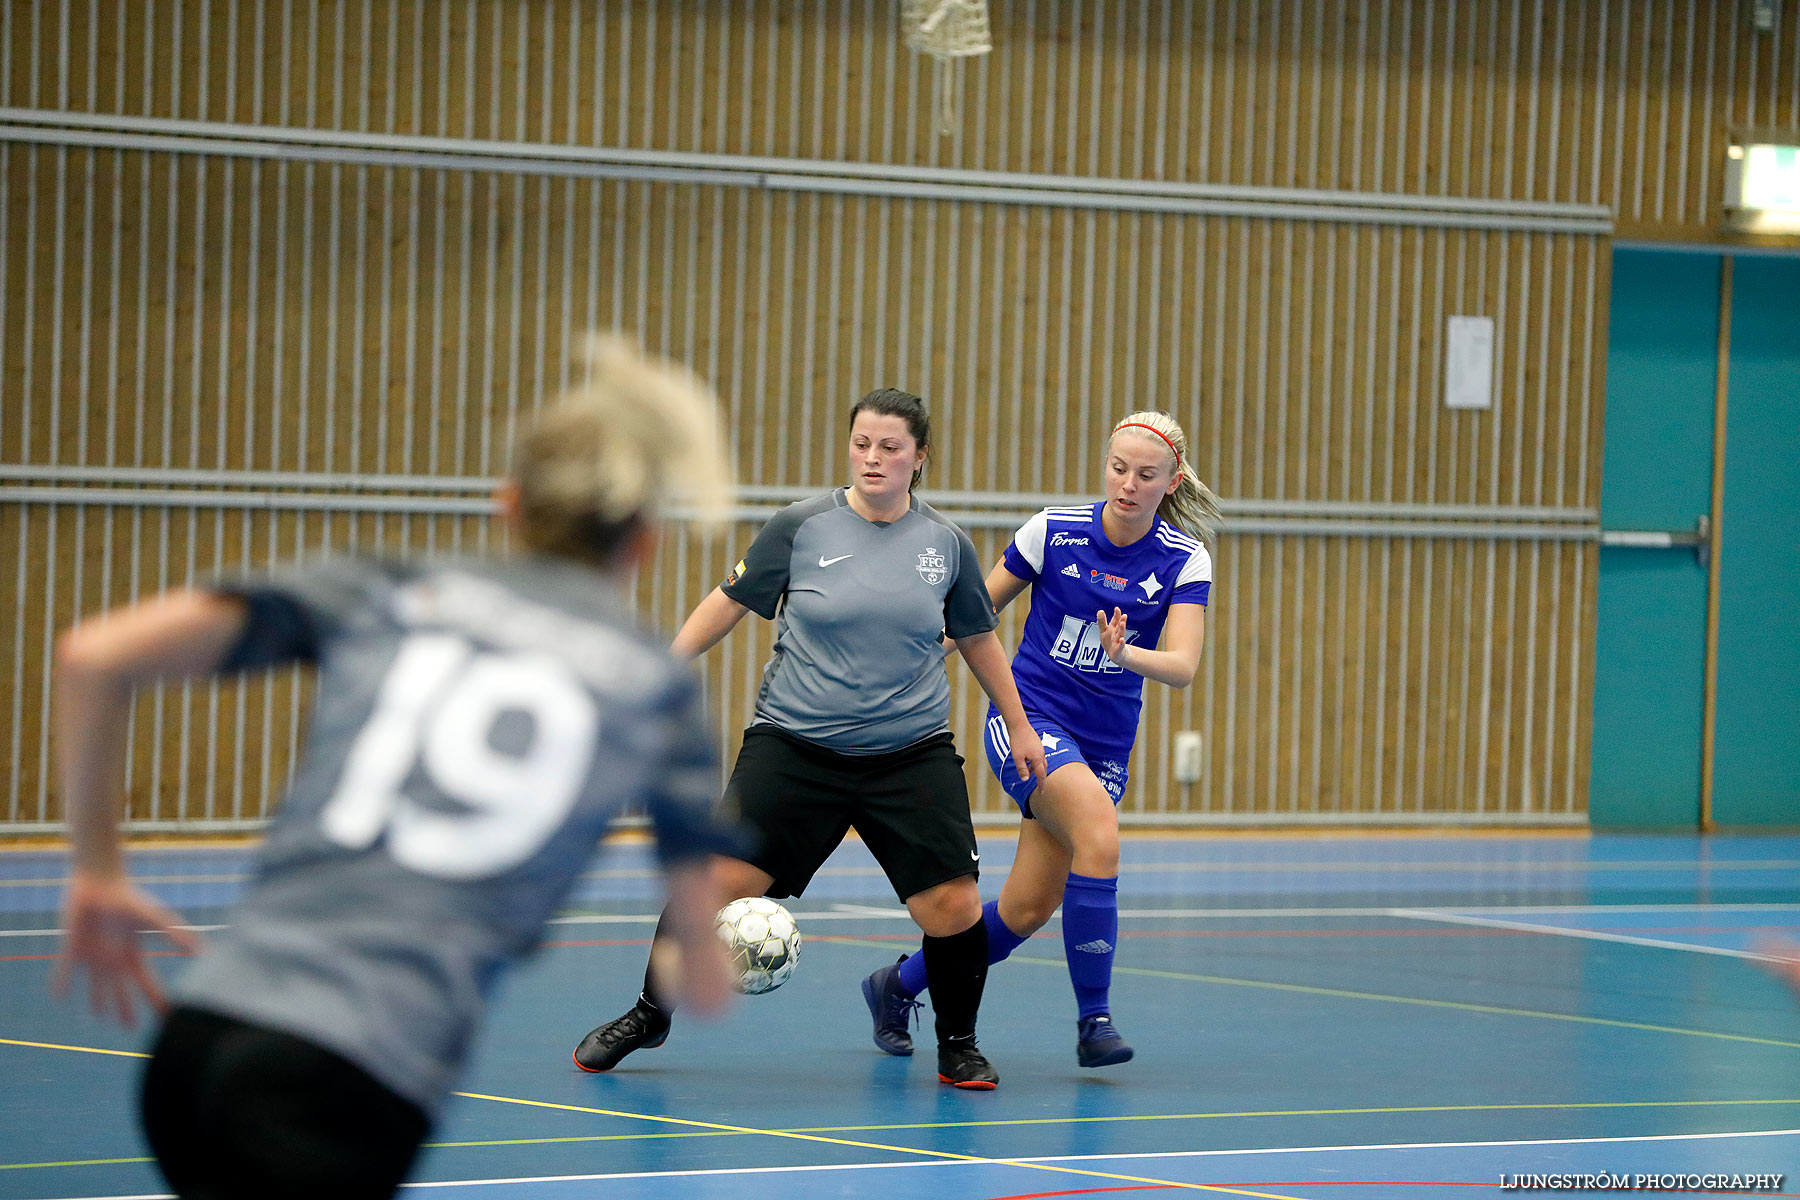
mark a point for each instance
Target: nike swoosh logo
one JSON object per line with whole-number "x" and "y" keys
{"x": 826, "y": 562}
{"x": 975, "y": 854}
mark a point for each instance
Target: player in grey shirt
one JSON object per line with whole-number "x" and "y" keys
{"x": 852, "y": 720}
{"x": 477, "y": 725}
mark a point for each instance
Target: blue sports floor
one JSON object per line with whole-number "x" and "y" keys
{"x": 1316, "y": 1018}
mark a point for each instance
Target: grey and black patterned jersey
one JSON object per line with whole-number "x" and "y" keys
{"x": 477, "y": 725}
{"x": 860, "y": 611}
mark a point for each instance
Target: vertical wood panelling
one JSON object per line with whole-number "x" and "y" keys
{"x": 1622, "y": 101}
{"x": 170, "y": 311}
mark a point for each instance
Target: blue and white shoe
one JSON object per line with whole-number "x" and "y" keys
{"x": 891, "y": 1007}
{"x": 1098, "y": 1043}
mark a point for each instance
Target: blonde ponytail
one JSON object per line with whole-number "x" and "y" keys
{"x": 636, "y": 437}
{"x": 1191, "y": 507}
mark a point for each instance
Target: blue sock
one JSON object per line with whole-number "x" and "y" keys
{"x": 1001, "y": 942}
{"x": 1090, "y": 924}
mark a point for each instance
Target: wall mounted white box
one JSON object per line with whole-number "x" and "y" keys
{"x": 1469, "y": 363}
{"x": 1187, "y": 757}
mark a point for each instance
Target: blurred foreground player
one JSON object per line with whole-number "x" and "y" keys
{"x": 478, "y": 723}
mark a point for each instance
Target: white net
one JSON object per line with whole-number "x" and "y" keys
{"x": 947, "y": 30}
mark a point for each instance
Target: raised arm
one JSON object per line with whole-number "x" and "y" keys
{"x": 1183, "y": 634}
{"x": 707, "y": 625}
{"x": 99, "y": 665}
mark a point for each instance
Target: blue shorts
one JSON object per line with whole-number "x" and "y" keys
{"x": 1059, "y": 751}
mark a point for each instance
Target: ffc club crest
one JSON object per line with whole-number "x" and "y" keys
{"x": 932, "y": 567}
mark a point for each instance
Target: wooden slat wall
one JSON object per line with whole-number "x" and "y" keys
{"x": 200, "y": 312}
{"x": 1620, "y": 102}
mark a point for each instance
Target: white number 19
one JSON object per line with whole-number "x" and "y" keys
{"x": 436, "y": 709}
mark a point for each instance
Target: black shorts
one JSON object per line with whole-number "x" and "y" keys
{"x": 797, "y": 800}
{"x": 234, "y": 1109}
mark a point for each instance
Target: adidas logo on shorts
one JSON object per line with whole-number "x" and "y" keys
{"x": 1097, "y": 946}
{"x": 1071, "y": 572}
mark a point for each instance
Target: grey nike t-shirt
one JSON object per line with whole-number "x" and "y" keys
{"x": 477, "y": 726}
{"x": 860, "y": 610}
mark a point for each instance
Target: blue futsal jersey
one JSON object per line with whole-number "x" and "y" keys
{"x": 1076, "y": 571}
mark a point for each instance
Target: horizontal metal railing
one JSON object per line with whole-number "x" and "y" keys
{"x": 467, "y": 495}
{"x": 172, "y": 136}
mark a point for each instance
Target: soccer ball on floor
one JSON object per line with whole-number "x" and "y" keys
{"x": 762, "y": 942}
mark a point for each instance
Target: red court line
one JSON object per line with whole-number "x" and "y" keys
{"x": 1682, "y": 928}
{"x": 1460, "y": 1183}
{"x": 1317, "y": 1183}
{"x": 1364, "y": 1183}
{"x": 1142, "y": 1187}
{"x": 49, "y": 957}
{"x": 1130, "y": 935}
{"x": 1253, "y": 933}
{"x": 1124, "y": 935}
{"x": 913, "y": 937}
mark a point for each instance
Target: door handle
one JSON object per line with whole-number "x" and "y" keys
{"x": 1699, "y": 538}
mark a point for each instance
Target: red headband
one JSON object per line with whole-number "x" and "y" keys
{"x": 1153, "y": 429}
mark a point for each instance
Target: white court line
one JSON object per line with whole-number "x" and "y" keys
{"x": 1071, "y": 1158}
{"x": 694, "y": 1174}
{"x": 1586, "y": 935}
{"x": 1169, "y": 1154}
{"x": 1614, "y": 908}
{"x": 856, "y": 912}
{"x": 58, "y": 932}
{"x": 1589, "y": 1141}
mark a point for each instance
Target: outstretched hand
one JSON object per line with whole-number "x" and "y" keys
{"x": 103, "y": 917}
{"x": 1112, "y": 634}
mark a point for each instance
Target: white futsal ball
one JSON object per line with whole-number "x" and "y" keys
{"x": 762, "y": 942}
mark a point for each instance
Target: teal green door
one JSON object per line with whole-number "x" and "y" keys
{"x": 1650, "y": 639}
{"x": 1756, "y": 763}
{"x": 1650, "y": 643}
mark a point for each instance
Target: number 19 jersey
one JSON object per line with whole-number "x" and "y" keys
{"x": 477, "y": 726}
{"x": 1076, "y": 571}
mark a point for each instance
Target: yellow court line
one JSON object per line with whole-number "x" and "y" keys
{"x": 1295, "y": 1112}
{"x": 1244, "y": 1114}
{"x": 810, "y": 1133}
{"x": 1297, "y": 866}
{"x": 739, "y": 1129}
{"x": 592, "y": 1137}
{"x": 1346, "y": 994}
{"x": 1461, "y": 1006}
{"x": 1209, "y": 1116}
{"x": 905, "y": 1150}
{"x": 76, "y": 1049}
{"x": 85, "y": 1162}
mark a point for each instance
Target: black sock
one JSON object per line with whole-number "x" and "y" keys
{"x": 654, "y": 998}
{"x": 956, "y": 968}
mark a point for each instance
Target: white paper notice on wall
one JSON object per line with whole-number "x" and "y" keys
{"x": 1469, "y": 363}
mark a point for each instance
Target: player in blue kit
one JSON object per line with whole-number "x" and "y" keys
{"x": 477, "y": 724}
{"x": 1118, "y": 595}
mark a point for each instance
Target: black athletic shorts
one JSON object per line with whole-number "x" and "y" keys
{"x": 797, "y": 800}
{"x": 237, "y": 1110}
